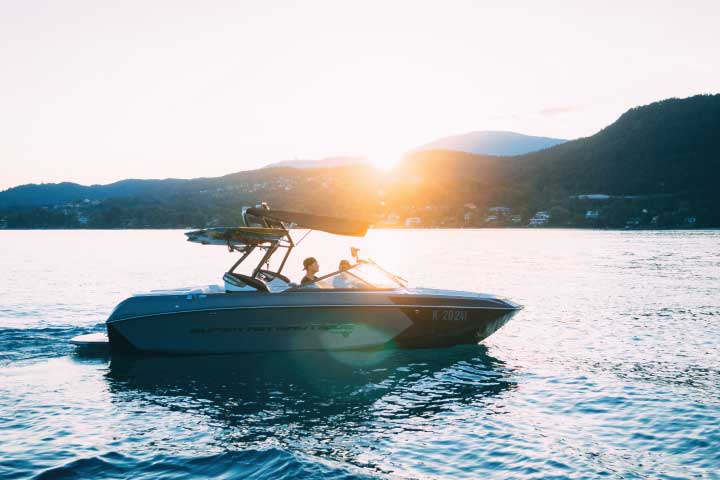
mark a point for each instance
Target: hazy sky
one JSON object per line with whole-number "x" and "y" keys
{"x": 94, "y": 91}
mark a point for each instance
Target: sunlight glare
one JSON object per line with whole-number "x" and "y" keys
{"x": 385, "y": 159}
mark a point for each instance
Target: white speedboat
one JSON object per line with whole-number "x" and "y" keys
{"x": 358, "y": 308}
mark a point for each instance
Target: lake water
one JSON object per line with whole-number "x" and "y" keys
{"x": 612, "y": 369}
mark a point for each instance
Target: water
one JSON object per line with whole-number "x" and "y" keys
{"x": 611, "y": 370}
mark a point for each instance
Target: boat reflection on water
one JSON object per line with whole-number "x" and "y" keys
{"x": 311, "y": 399}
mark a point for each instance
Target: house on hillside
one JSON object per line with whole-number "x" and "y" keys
{"x": 632, "y": 223}
{"x": 391, "y": 220}
{"x": 592, "y": 215}
{"x": 539, "y": 219}
{"x": 592, "y": 196}
{"x": 500, "y": 210}
{"x": 412, "y": 222}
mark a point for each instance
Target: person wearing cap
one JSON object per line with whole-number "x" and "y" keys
{"x": 311, "y": 267}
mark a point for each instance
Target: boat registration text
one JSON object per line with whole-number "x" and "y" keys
{"x": 450, "y": 315}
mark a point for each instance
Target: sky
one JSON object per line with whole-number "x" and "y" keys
{"x": 98, "y": 91}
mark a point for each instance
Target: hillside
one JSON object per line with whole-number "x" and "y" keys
{"x": 55, "y": 193}
{"x": 663, "y": 158}
{"x": 670, "y": 146}
{"x": 658, "y": 166}
{"x": 492, "y": 143}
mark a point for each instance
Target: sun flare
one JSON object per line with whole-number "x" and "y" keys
{"x": 386, "y": 159}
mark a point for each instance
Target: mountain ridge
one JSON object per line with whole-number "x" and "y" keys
{"x": 665, "y": 154}
{"x": 335, "y": 161}
{"x": 492, "y": 142}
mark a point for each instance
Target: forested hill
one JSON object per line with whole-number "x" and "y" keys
{"x": 657, "y": 165}
{"x": 55, "y": 193}
{"x": 666, "y": 150}
{"x": 668, "y": 147}
{"x": 672, "y": 146}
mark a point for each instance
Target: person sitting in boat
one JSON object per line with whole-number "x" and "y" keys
{"x": 311, "y": 267}
{"x": 343, "y": 280}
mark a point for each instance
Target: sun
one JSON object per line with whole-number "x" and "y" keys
{"x": 385, "y": 159}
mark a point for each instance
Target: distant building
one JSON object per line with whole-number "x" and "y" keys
{"x": 468, "y": 216}
{"x": 539, "y": 219}
{"x": 500, "y": 210}
{"x": 690, "y": 220}
{"x": 391, "y": 220}
{"x": 516, "y": 219}
{"x": 491, "y": 219}
{"x": 470, "y": 206}
{"x": 592, "y": 215}
{"x": 633, "y": 222}
{"x": 413, "y": 222}
{"x": 592, "y": 196}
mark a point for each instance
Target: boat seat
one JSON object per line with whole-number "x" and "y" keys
{"x": 240, "y": 280}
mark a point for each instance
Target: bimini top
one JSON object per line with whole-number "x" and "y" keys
{"x": 236, "y": 235}
{"x": 263, "y": 225}
{"x": 270, "y": 231}
{"x": 335, "y": 225}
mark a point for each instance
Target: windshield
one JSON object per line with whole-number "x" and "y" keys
{"x": 342, "y": 280}
{"x": 363, "y": 276}
{"x": 375, "y": 276}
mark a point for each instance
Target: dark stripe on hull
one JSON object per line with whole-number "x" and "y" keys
{"x": 450, "y": 302}
{"x": 435, "y": 328}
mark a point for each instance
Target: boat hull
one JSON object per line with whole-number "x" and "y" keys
{"x": 252, "y": 322}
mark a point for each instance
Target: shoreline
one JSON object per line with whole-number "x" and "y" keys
{"x": 388, "y": 228}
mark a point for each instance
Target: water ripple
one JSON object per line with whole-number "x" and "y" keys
{"x": 250, "y": 464}
{"x": 612, "y": 370}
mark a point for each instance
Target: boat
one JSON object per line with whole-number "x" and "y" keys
{"x": 361, "y": 307}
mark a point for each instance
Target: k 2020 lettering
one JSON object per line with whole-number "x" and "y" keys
{"x": 449, "y": 315}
